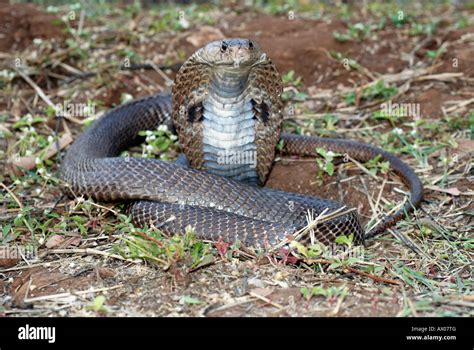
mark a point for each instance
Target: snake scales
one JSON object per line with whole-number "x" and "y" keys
{"x": 225, "y": 100}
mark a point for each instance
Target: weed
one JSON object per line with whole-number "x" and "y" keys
{"x": 329, "y": 293}
{"x": 375, "y": 91}
{"x": 325, "y": 162}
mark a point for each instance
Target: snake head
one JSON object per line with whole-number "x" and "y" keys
{"x": 235, "y": 52}
{"x": 205, "y": 79}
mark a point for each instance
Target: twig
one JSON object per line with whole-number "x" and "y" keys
{"x": 422, "y": 44}
{"x": 68, "y": 294}
{"x": 377, "y": 203}
{"x": 351, "y": 269}
{"x": 265, "y": 299}
{"x": 369, "y": 198}
{"x": 363, "y": 168}
{"x": 322, "y": 217}
{"x": 103, "y": 207}
{"x": 88, "y": 251}
{"x": 44, "y": 97}
{"x": 407, "y": 241}
{"x": 135, "y": 66}
{"x": 12, "y": 194}
{"x": 412, "y": 307}
{"x": 149, "y": 238}
{"x": 459, "y": 105}
{"x": 244, "y": 300}
{"x": 29, "y": 162}
{"x": 168, "y": 81}
{"x": 449, "y": 77}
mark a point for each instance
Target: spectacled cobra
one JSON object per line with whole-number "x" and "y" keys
{"x": 226, "y": 108}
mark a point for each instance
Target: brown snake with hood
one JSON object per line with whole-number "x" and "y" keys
{"x": 226, "y": 102}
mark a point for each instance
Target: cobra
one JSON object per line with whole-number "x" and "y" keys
{"x": 225, "y": 102}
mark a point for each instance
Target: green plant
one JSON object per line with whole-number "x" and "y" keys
{"x": 329, "y": 293}
{"x": 391, "y": 116}
{"x": 400, "y": 18}
{"x": 330, "y": 121}
{"x": 158, "y": 142}
{"x": 97, "y": 305}
{"x": 293, "y": 94}
{"x": 434, "y": 54}
{"x": 372, "y": 92}
{"x": 423, "y": 28}
{"x": 358, "y": 32}
{"x": 290, "y": 78}
{"x": 154, "y": 246}
{"x": 325, "y": 162}
{"x": 375, "y": 164}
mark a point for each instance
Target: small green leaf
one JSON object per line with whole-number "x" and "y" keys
{"x": 334, "y": 265}
{"x": 280, "y": 145}
{"x": 190, "y": 300}
{"x": 347, "y": 240}
{"x": 330, "y": 169}
{"x": 97, "y": 304}
{"x": 6, "y": 229}
{"x": 300, "y": 248}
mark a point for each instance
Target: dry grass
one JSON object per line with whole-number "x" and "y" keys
{"x": 74, "y": 250}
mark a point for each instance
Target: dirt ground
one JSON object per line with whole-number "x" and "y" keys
{"x": 73, "y": 266}
{"x": 21, "y": 23}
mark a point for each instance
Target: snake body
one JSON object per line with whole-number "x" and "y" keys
{"x": 225, "y": 102}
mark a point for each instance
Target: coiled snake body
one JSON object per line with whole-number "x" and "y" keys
{"x": 225, "y": 102}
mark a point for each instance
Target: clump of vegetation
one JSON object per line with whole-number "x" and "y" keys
{"x": 325, "y": 162}
{"x": 293, "y": 82}
{"x": 331, "y": 293}
{"x": 375, "y": 165}
{"x": 358, "y": 31}
{"x": 379, "y": 90}
{"x": 158, "y": 142}
{"x": 155, "y": 247}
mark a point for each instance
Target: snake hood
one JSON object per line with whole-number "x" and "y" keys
{"x": 227, "y": 109}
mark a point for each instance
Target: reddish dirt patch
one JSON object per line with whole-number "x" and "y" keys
{"x": 432, "y": 99}
{"x": 41, "y": 281}
{"x": 301, "y": 176}
{"x": 458, "y": 59}
{"x": 21, "y": 23}
{"x": 301, "y": 45}
{"x": 304, "y": 42}
{"x": 305, "y": 45}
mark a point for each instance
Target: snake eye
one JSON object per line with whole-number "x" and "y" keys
{"x": 224, "y": 46}
{"x": 250, "y": 45}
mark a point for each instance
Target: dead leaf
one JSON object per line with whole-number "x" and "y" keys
{"x": 465, "y": 145}
{"x": 55, "y": 241}
{"x": 261, "y": 292}
{"x": 105, "y": 272}
{"x": 29, "y": 162}
{"x": 452, "y": 191}
{"x": 8, "y": 257}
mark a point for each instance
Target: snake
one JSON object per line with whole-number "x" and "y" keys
{"x": 227, "y": 110}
